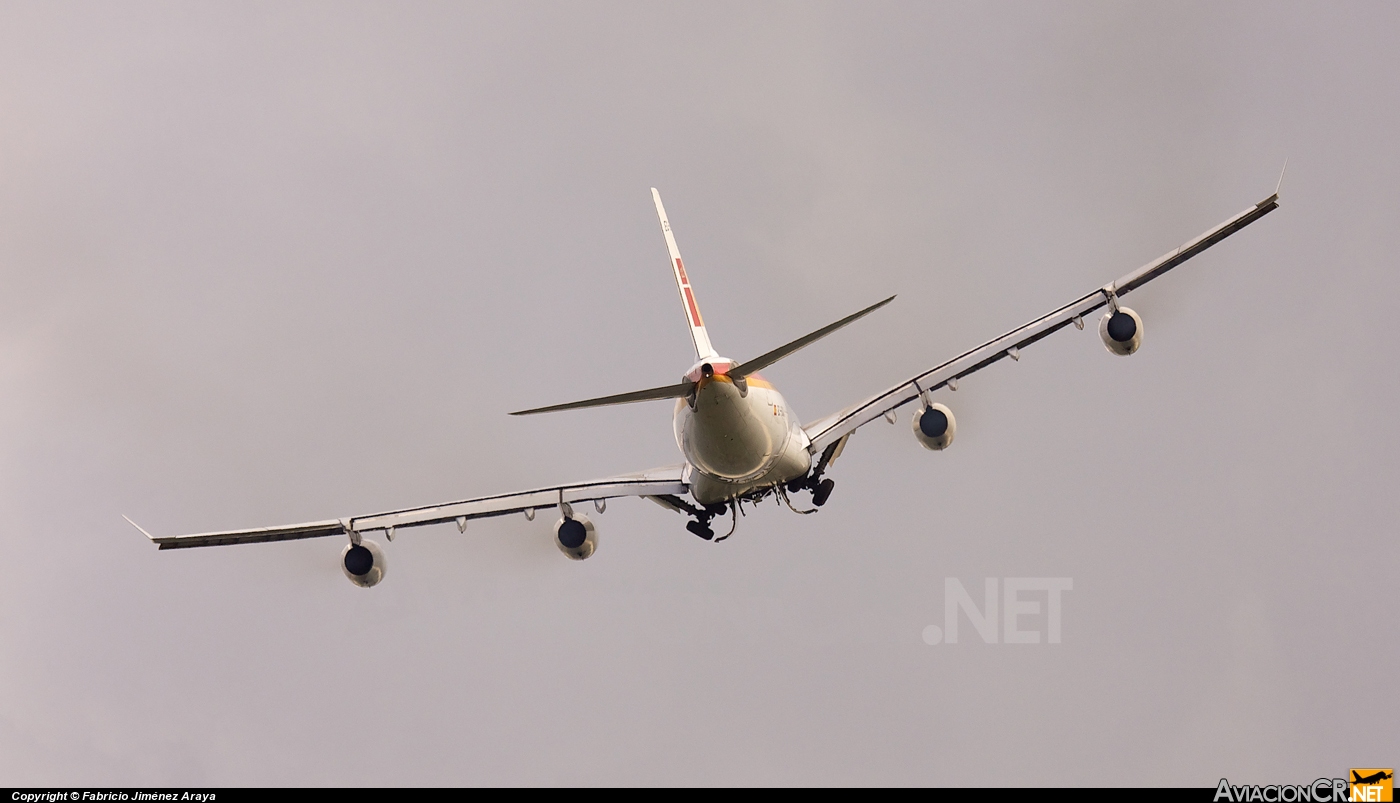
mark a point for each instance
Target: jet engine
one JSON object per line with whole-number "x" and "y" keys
{"x": 363, "y": 563}
{"x": 1121, "y": 331}
{"x": 935, "y": 427}
{"x": 576, "y": 536}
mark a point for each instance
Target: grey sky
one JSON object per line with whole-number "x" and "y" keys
{"x": 263, "y": 263}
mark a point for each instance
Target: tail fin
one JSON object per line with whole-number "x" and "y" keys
{"x": 703, "y": 349}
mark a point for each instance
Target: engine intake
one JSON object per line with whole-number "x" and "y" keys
{"x": 935, "y": 427}
{"x": 363, "y": 563}
{"x": 1121, "y": 331}
{"x": 576, "y": 536}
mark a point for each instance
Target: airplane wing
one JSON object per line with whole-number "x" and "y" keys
{"x": 656, "y": 482}
{"x": 826, "y": 434}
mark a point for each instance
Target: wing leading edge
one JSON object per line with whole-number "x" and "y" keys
{"x": 656, "y": 482}
{"x": 826, "y": 432}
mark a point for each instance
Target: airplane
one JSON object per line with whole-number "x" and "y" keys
{"x": 1374, "y": 778}
{"x": 740, "y": 441}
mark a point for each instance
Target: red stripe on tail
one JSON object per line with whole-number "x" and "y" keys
{"x": 694, "y": 310}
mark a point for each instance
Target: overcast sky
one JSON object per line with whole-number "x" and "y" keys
{"x": 267, "y": 263}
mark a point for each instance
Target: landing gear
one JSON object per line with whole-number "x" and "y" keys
{"x": 701, "y": 524}
{"x": 821, "y": 489}
{"x": 701, "y": 528}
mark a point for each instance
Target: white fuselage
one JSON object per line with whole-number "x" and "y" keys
{"x": 735, "y": 441}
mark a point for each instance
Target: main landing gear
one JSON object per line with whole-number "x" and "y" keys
{"x": 821, "y": 489}
{"x": 699, "y": 525}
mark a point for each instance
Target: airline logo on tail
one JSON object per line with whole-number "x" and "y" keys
{"x": 703, "y": 349}
{"x": 689, "y": 296}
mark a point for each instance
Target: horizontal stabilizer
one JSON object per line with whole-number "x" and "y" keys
{"x": 765, "y": 360}
{"x": 680, "y": 391}
{"x": 668, "y": 392}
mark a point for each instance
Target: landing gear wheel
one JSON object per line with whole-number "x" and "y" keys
{"x": 823, "y": 492}
{"x": 701, "y": 529}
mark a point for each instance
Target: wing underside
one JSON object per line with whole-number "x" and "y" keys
{"x": 666, "y": 485}
{"x": 827, "y": 432}
{"x": 656, "y": 482}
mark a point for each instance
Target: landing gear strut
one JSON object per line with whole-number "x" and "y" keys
{"x": 701, "y": 525}
{"x": 821, "y": 489}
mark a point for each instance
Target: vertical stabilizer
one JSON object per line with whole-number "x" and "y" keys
{"x": 703, "y": 349}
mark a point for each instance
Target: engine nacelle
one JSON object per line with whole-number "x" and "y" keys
{"x": 935, "y": 427}
{"x": 576, "y": 536}
{"x": 363, "y": 563}
{"x": 1121, "y": 331}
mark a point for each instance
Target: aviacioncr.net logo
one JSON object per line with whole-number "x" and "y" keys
{"x": 1370, "y": 785}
